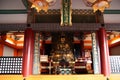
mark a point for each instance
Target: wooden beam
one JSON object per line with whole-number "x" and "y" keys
{"x": 75, "y": 11}
{"x": 11, "y": 45}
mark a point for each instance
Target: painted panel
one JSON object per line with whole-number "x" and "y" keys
{"x": 8, "y": 51}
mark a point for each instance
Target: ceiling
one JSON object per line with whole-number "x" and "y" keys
{"x": 14, "y": 11}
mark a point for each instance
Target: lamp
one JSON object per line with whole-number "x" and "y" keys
{"x": 98, "y": 4}
{"x": 42, "y": 4}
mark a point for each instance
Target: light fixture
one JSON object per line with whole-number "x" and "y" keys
{"x": 9, "y": 41}
{"x": 115, "y": 41}
{"x": 98, "y": 4}
{"x": 42, "y": 4}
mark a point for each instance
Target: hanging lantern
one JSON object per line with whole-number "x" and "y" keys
{"x": 41, "y": 4}
{"x": 98, "y": 4}
{"x": 101, "y": 6}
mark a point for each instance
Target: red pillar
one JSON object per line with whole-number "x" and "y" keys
{"x": 104, "y": 52}
{"x": 28, "y": 52}
{"x": 1, "y": 49}
{"x": 3, "y": 38}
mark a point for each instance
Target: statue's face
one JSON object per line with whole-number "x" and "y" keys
{"x": 62, "y": 39}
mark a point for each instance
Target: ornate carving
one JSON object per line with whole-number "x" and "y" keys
{"x": 66, "y": 13}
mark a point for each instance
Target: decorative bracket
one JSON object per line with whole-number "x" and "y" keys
{"x": 66, "y": 12}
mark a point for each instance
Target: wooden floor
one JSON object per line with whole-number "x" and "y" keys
{"x": 59, "y": 77}
{"x": 115, "y": 77}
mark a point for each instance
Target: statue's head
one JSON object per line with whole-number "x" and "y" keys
{"x": 62, "y": 39}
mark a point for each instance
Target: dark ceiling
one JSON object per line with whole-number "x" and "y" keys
{"x": 54, "y": 16}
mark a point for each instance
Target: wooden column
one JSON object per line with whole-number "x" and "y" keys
{"x": 3, "y": 38}
{"x": 15, "y": 53}
{"x": 1, "y": 49}
{"x": 42, "y": 48}
{"x": 28, "y": 52}
{"x": 104, "y": 52}
{"x": 95, "y": 53}
{"x": 36, "y": 60}
{"x": 82, "y": 51}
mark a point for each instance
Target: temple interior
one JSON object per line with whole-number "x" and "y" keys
{"x": 59, "y": 39}
{"x": 65, "y": 55}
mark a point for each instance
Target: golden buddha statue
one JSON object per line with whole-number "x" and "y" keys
{"x": 62, "y": 51}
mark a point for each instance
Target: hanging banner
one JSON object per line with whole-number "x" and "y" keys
{"x": 36, "y": 60}
{"x": 66, "y": 12}
{"x": 96, "y": 54}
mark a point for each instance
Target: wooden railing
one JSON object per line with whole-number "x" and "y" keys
{"x": 13, "y": 65}
{"x": 115, "y": 64}
{"x": 10, "y": 65}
